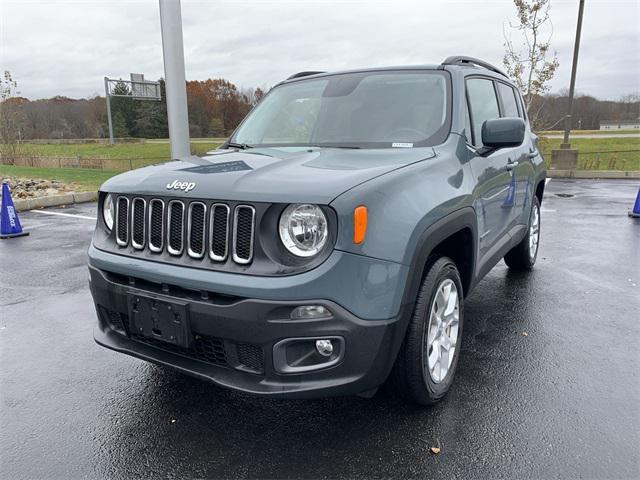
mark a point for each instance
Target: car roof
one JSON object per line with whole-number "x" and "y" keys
{"x": 317, "y": 74}
{"x": 463, "y": 66}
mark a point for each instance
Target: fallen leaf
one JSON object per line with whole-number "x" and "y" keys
{"x": 524, "y": 334}
{"x": 435, "y": 450}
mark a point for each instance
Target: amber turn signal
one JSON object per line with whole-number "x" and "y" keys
{"x": 359, "y": 224}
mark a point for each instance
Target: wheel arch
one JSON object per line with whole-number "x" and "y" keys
{"x": 454, "y": 236}
{"x": 459, "y": 226}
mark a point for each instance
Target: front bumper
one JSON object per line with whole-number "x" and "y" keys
{"x": 239, "y": 335}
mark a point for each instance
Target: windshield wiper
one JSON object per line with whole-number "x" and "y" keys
{"x": 350, "y": 147}
{"x": 240, "y": 146}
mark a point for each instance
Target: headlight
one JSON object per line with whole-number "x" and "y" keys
{"x": 303, "y": 229}
{"x": 107, "y": 211}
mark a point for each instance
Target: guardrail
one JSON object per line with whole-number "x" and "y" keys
{"x": 628, "y": 160}
{"x": 111, "y": 164}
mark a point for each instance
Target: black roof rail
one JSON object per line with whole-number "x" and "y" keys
{"x": 303, "y": 74}
{"x": 462, "y": 60}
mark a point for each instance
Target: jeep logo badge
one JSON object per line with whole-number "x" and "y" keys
{"x": 176, "y": 185}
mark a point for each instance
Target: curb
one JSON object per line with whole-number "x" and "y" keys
{"x": 614, "y": 174}
{"x": 54, "y": 200}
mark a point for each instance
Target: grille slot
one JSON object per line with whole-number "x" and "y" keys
{"x": 196, "y": 226}
{"x": 156, "y": 225}
{"x": 175, "y": 228}
{"x": 122, "y": 223}
{"x": 219, "y": 232}
{"x": 243, "y": 225}
{"x": 137, "y": 223}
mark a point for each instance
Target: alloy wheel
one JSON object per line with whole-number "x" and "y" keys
{"x": 439, "y": 344}
{"x": 534, "y": 232}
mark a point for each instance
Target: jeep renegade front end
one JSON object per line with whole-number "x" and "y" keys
{"x": 329, "y": 244}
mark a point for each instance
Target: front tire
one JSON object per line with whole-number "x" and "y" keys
{"x": 523, "y": 256}
{"x": 428, "y": 357}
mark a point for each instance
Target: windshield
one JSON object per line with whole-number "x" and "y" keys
{"x": 381, "y": 109}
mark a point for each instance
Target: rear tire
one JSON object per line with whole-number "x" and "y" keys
{"x": 416, "y": 374}
{"x": 523, "y": 256}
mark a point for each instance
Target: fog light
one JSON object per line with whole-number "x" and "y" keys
{"x": 310, "y": 311}
{"x": 324, "y": 347}
{"x": 305, "y": 354}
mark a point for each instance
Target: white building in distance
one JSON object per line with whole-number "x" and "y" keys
{"x": 620, "y": 124}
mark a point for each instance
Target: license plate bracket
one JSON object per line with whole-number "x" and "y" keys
{"x": 159, "y": 319}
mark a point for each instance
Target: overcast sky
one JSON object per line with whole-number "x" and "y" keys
{"x": 67, "y": 47}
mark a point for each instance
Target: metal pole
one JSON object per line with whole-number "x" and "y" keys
{"x": 568, "y": 119}
{"x": 108, "y": 96}
{"x": 175, "y": 83}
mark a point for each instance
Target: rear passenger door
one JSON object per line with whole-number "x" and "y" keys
{"x": 494, "y": 189}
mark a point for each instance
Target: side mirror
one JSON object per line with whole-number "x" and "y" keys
{"x": 502, "y": 133}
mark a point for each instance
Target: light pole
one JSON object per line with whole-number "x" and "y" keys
{"x": 175, "y": 83}
{"x": 574, "y": 67}
{"x": 107, "y": 94}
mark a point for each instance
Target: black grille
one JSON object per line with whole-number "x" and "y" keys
{"x": 137, "y": 223}
{"x": 122, "y": 227}
{"x": 251, "y": 356}
{"x": 197, "y": 224}
{"x": 219, "y": 232}
{"x": 243, "y": 237}
{"x": 182, "y": 226}
{"x": 176, "y": 227}
{"x": 156, "y": 225}
{"x": 204, "y": 348}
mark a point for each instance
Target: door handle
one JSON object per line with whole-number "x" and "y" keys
{"x": 511, "y": 165}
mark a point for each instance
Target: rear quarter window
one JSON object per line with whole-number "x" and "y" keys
{"x": 509, "y": 100}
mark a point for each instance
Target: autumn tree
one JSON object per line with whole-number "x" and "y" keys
{"x": 10, "y": 118}
{"x": 216, "y": 107}
{"x": 253, "y": 95}
{"x": 528, "y": 59}
{"x": 258, "y": 94}
{"x": 215, "y": 99}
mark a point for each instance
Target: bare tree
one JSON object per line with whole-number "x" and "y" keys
{"x": 529, "y": 61}
{"x": 10, "y": 118}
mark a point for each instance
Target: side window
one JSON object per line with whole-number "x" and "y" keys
{"x": 483, "y": 104}
{"x": 509, "y": 102}
{"x": 523, "y": 109}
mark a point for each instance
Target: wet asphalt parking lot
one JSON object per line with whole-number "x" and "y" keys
{"x": 548, "y": 384}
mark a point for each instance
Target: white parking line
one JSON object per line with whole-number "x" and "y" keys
{"x": 40, "y": 225}
{"x": 45, "y": 212}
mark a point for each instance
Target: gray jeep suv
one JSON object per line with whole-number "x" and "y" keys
{"x": 329, "y": 245}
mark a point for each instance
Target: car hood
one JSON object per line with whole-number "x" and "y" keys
{"x": 314, "y": 175}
